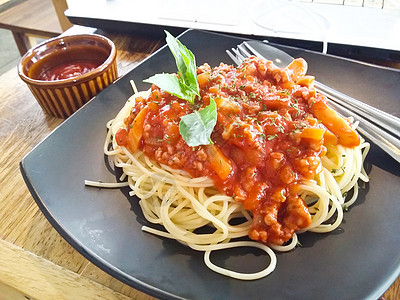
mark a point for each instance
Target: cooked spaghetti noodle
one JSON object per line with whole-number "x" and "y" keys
{"x": 293, "y": 129}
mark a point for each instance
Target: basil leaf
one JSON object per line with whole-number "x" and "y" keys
{"x": 184, "y": 86}
{"x": 196, "y": 128}
{"x": 186, "y": 64}
{"x": 171, "y": 84}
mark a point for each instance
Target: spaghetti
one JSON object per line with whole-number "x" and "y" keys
{"x": 281, "y": 162}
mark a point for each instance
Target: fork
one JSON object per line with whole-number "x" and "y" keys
{"x": 384, "y": 130}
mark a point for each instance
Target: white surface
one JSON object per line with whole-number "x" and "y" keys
{"x": 350, "y": 25}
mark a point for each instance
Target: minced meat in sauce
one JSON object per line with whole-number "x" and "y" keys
{"x": 270, "y": 135}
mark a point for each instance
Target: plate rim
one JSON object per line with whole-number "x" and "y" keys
{"x": 93, "y": 257}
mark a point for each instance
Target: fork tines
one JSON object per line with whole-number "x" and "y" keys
{"x": 380, "y": 127}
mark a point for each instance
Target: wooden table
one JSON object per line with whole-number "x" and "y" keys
{"x": 35, "y": 261}
{"x": 31, "y": 18}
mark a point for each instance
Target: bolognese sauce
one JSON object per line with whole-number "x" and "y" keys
{"x": 271, "y": 132}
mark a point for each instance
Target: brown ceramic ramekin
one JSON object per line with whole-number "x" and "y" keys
{"x": 61, "y": 96}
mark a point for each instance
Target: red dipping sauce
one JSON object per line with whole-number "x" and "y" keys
{"x": 68, "y": 70}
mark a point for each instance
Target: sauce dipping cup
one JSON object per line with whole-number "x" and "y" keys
{"x": 65, "y": 72}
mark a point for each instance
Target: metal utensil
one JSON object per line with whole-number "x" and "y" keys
{"x": 380, "y": 127}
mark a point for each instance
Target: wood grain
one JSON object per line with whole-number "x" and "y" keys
{"x": 32, "y": 16}
{"x": 32, "y": 19}
{"x": 393, "y": 293}
{"x": 51, "y": 281}
{"x": 60, "y": 7}
{"x": 30, "y": 248}
{"x": 23, "y": 124}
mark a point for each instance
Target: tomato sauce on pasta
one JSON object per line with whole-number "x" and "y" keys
{"x": 272, "y": 130}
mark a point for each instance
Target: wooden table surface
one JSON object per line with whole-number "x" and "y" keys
{"x": 31, "y": 18}
{"x": 35, "y": 261}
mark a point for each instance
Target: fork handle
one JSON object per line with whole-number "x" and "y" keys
{"x": 378, "y": 136}
{"x": 381, "y": 118}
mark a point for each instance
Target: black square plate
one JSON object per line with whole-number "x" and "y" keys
{"x": 357, "y": 261}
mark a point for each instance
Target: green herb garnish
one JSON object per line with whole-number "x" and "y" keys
{"x": 271, "y": 136}
{"x": 185, "y": 86}
{"x": 195, "y": 128}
